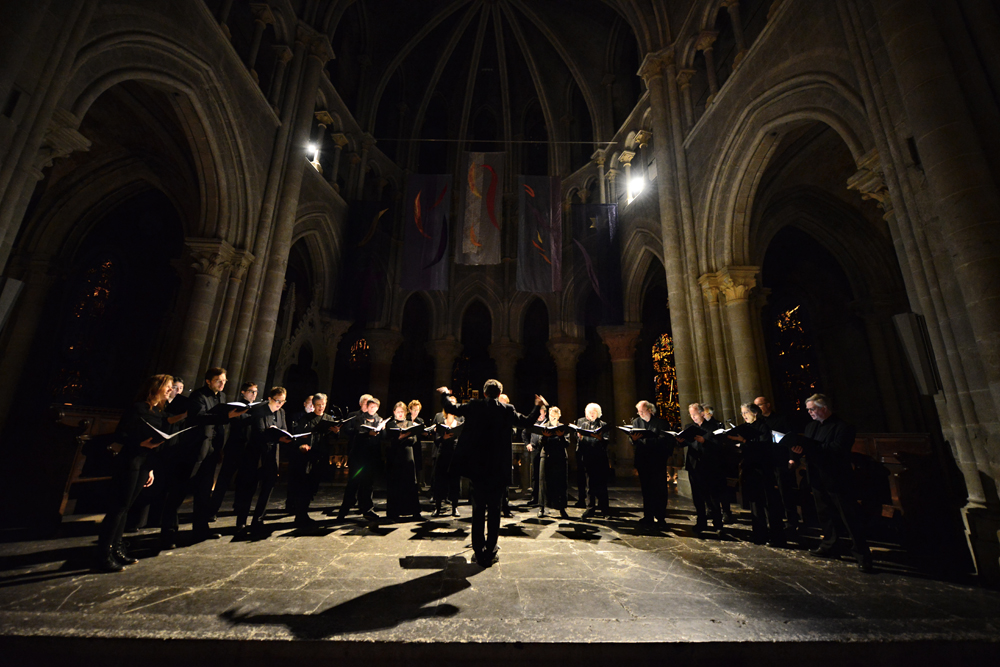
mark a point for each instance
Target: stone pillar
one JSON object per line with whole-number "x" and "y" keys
{"x": 238, "y": 267}
{"x": 705, "y": 43}
{"x": 737, "y": 283}
{"x": 958, "y": 175}
{"x": 734, "y": 16}
{"x": 626, "y": 159}
{"x": 282, "y": 54}
{"x": 506, "y": 354}
{"x": 339, "y": 141}
{"x": 598, "y": 157}
{"x": 211, "y": 259}
{"x": 262, "y": 17}
{"x": 39, "y": 276}
{"x": 445, "y": 352}
{"x": 613, "y": 185}
{"x": 621, "y": 342}
{"x": 367, "y": 141}
{"x": 565, "y": 352}
{"x": 323, "y": 120}
{"x": 354, "y": 159}
{"x": 711, "y": 283}
{"x": 684, "y": 84}
{"x": 223, "y": 17}
{"x": 382, "y": 346}
{"x": 653, "y": 70}
{"x": 319, "y": 52}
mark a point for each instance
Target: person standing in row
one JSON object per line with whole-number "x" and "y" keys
{"x": 758, "y": 453}
{"x": 232, "y": 453}
{"x": 402, "y": 496}
{"x": 592, "y": 459}
{"x": 133, "y": 468}
{"x": 785, "y": 468}
{"x": 532, "y": 444}
{"x": 309, "y": 461}
{"x": 554, "y": 466}
{"x": 653, "y": 446}
{"x": 705, "y": 473}
{"x": 445, "y": 482}
{"x": 483, "y": 455}
{"x": 413, "y": 409}
{"x": 259, "y": 464}
{"x": 193, "y": 461}
{"x": 363, "y": 455}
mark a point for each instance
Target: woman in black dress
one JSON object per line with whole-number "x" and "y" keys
{"x": 757, "y": 473}
{"x": 445, "y": 482}
{"x": 133, "y": 467}
{"x": 555, "y": 467}
{"x": 402, "y": 497}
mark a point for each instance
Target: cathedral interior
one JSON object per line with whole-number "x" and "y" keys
{"x": 787, "y": 197}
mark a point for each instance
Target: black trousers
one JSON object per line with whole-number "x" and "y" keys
{"x": 257, "y": 469}
{"x": 788, "y": 487}
{"x": 127, "y": 479}
{"x": 487, "y": 501}
{"x": 232, "y": 458}
{"x": 836, "y": 508}
{"x": 767, "y": 514}
{"x": 536, "y": 463}
{"x": 556, "y": 473}
{"x": 445, "y": 483}
{"x": 187, "y": 476}
{"x": 597, "y": 468}
{"x": 707, "y": 488}
{"x": 581, "y": 477}
{"x": 653, "y": 482}
{"x": 361, "y": 480}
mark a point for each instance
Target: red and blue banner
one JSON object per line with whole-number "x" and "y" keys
{"x": 482, "y": 199}
{"x": 425, "y": 232}
{"x": 539, "y": 238}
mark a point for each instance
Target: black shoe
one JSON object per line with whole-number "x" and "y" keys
{"x": 371, "y": 515}
{"x": 541, "y": 513}
{"x": 531, "y": 503}
{"x": 865, "y": 564}
{"x": 122, "y": 556}
{"x": 580, "y": 504}
{"x": 647, "y": 521}
{"x": 589, "y": 512}
{"x": 304, "y": 521}
{"x": 206, "y": 534}
{"x": 437, "y": 512}
{"x": 699, "y": 528}
{"x": 563, "y": 514}
{"x": 168, "y": 541}
{"x": 454, "y": 510}
{"x": 727, "y": 517}
{"x": 106, "y": 562}
{"x": 662, "y": 524}
{"x": 342, "y": 515}
{"x": 823, "y": 552}
{"x": 506, "y": 514}
{"x": 214, "y": 517}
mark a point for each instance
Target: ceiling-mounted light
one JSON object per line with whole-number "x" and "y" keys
{"x": 635, "y": 186}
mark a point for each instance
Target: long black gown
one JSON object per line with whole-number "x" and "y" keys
{"x": 402, "y": 494}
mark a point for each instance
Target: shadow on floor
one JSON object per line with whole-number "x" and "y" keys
{"x": 381, "y": 609}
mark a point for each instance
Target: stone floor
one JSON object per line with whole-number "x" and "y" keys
{"x": 407, "y": 591}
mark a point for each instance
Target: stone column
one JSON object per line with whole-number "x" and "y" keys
{"x": 958, "y": 174}
{"x": 506, "y": 354}
{"x": 653, "y": 70}
{"x": 223, "y": 17}
{"x": 211, "y": 258}
{"x": 367, "y": 141}
{"x": 737, "y": 283}
{"x": 333, "y": 333}
{"x": 734, "y": 16}
{"x": 705, "y": 43}
{"x": 598, "y": 157}
{"x": 323, "y": 120}
{"x": 613, "y": 185}
{"x": 382, "y": 346}
{"x": 626, "y": 159}
{"x": 445, "y": 352}
{"x": 262, "y": 17}
{"x": 621, "y": 342}
{"x": 39, "y": 276}
{"x": 684, "y": 84}
{"x": 319, "y": 52}
{"x": 339, "y": 141}
{"x": 565, "y": 352}
{"x": 711, "y": 283}
{"x": 238, "y": 267}
{"x": 354, "y": 159}
{"x": 282, "y": 54}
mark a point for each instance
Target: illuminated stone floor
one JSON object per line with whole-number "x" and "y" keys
{"x": 558, "y": 581}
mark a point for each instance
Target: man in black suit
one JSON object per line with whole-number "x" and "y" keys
{"x": 533, "y": 445}
{"x": 788, "y": 485}
{"x": 193, "y": 460}
{"x": 653, "y": 446}
{"x": 363, "y": 455}
{"x": 831, "y": 477}
{"x": 483, "y": 454}
{"x": 704, "y": 472}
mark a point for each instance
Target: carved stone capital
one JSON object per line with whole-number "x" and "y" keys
{"x": 566, "y": 351}
{"x": 367, "y": 141}
{"x": 262, "y": 13}
{"x": 738, "y": 282}
{"x": 613, "y": 174}
{"x": 340, "y": 139}
{"x": 642, "y": 137}
{"x": 354, "y": 157}
{"x": 445, "y": 351}
{"x": 324, "y": 118}
{"x": 626, "y": 157}
{"x": 210, "y": 257}
{"x": 61, "y": 139}
{"x": 283, "y": 53}
{"x": 684, "y": 77}
{"x": 620, "y": 340}
{"x": 504, "y": 352}
{"x": 599, "y": 156}
{"x": 870, "y": 180}
{"x": 711, "y": 284}
{"x": 382, "y": 344}
{"x": 655, "y": 64}
{"x": 706, "y": 40}
{"x": 317, "y": 43}
{"x": 241, "y": 261}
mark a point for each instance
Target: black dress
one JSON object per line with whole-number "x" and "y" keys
{"x": 446, "y": 483}
{"x": 651, "y": 453}
{"x": 592, "y": 458}
{"x": 402, "y": 495}
{"x": 556, "y": 469}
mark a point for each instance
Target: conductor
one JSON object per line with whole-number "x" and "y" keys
{"x": 483, "y": 454}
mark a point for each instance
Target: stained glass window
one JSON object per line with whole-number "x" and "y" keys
{"x": 665, "y": 373}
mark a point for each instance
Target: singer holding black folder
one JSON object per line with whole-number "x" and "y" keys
{"x": 760, "y": 455}
{"x": 653, "y": 446}
{"x": 132, "y": 467}
{"x": 259, "y": 465}
{"x": 592, "y": 457}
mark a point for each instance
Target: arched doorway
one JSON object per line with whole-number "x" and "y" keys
{"x": 536, "y": 371}
{"x": 474, "y": 366}
{"x": 412, "y": 367}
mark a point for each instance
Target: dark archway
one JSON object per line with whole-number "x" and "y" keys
{"x": 594, "y": 379}
{"x": 536, "y": 371}
{"x": 300, "y": 380}
{"x": 413, "y": 367}
{"x": 105, "y": 327}
{"x": 655, "y": 323}
{"x": 474, "y": 366}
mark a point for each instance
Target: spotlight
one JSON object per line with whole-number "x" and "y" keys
{"x": 312, "y": 148}
{"x": 636, "y": 185}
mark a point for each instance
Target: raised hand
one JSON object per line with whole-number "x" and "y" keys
{"x": 149, "y": 444}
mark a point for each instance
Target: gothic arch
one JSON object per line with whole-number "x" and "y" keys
{"x": 724, "y": 229}
{"x": 519, "y": 308}
{"x": 206, "y": 113}
{"x": 640, "y": 251}
{"x": 432, "y": 301}
{"x": 316, "y": 230}
{"x": 475, "y": 287}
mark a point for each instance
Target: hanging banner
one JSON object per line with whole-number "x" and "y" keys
{"x": 539, "y": 234}
{"x": 596, "y": 250}
{"x": 482, "y": 197}
{"x": 425, "y": 232}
